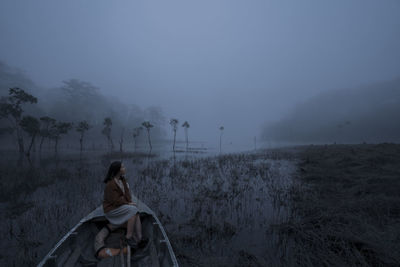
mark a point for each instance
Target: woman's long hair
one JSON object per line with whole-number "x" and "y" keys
{"x": 114, "y": 168}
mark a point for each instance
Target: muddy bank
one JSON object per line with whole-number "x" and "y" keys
{"x": 346, "y": 211}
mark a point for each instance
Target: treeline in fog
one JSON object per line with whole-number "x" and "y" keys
{"x": 74, "y": 116}
{"x": 365, "y": 114}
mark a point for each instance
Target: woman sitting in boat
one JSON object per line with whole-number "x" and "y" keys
{"x": 119, "y": 208}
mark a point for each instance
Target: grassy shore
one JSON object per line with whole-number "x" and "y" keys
{"x": 345, "y": 208}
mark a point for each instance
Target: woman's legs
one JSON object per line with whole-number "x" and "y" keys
{"x": 134, "y": 223}
{"x": 135, "y": 239}
{"x": 130, "y": 225}
{"x": 138, "y": 227}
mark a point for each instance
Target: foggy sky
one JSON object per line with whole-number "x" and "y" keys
{"x": 212, "y": 62}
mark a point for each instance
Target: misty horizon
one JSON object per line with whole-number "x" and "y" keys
{"x": 230, "y": 64}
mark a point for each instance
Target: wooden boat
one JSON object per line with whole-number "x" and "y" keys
{"x": 77, "y": 248}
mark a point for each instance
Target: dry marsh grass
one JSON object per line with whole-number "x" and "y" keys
{"x": 216, "y": 210}
{"x": 347, "y": 210}
{"x": 237, "y": 209}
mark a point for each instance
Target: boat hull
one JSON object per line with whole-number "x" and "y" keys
{"x": 77, "y": 247}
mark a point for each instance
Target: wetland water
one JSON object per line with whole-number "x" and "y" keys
{"x": 217, "y": 210}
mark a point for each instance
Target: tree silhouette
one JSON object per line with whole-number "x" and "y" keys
{"x": 58, "y": 129}
{"x": 186, "y": 126}
{"x": 11, "y": 108}
{"x": 81, "y": 128}
{"x": 30, "y": 125}
{"x": 174, "y": 124}
{"x": 121, "y": 139}
{"x": 148, "y": 126}
{"x": 45, "y": 124}
{"x": 220, "y": 138}
{"x": 136, "y": 133}
{"x": 107, "y": 131}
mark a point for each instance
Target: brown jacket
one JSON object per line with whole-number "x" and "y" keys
{"x": 114, "y": 197}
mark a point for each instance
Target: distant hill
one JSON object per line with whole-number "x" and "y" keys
{"x": 365, "y": 114}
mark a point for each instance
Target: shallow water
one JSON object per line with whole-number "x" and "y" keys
{"x": 213, "y": 207}
{"x": 216, "y": 210}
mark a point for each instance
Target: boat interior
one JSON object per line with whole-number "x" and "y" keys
{"x": 78, "y": 248}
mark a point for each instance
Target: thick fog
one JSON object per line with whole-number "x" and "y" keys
{"x": 244, "y": 65}
{"x": 368, "y": 114}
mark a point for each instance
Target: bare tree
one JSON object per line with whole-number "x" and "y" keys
{"x": 220, "y": 138}
{"x": 136, "y": 133}
{"x": 82, "y": 127}
{"x": 148, "y": 126}
{"x": 174, "y": 124}
{"x": 45, "y": 124}
{"x": 107, "y": 131}
{"x": 186, "y": 126}
{"x": 11, "y": 108}
{"x": 30, "y": 125}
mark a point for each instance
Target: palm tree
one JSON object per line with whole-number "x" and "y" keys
{"x": 148, "y": 126}
{"x": 82, "y": 127}
{"x": 136, "y": 133}
{"x": 107, "y": 131}
{"x": 174, "y": 124}
{"x": 121, "y": 139}
{"x": 220, "y": 138}
{"x": 186, "y": 126}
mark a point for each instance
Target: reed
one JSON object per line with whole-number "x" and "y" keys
{"x": 346, "y": 210}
